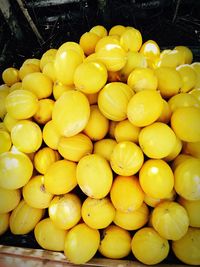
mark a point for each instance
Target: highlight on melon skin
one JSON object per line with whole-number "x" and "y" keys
{"x": 15, "y": 170}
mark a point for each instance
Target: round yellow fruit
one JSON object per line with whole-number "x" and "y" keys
{"x": 127, "y": 158}
{"x": 113, "y": 100}
{"x": 113, "y": 56}
{"x": 98, "y": 124}
{"x": 185, "y": 123}
{"x": 71, "y": 113}
{"x": 170, "y": 220}
{"x": 144, "y": 107}
{"x": 10, "y": 76}
{"x": 187, "y": 249}
{"x": 43, "y": 159}
{"x": 15, "y": 170}
{"x": 60, "y": 178}
{"x": 169, "y": 81}
{"x": 75, "y": 147}
{"x": 156, "y": 178}
{"x": 126, "y": 193}
{"x": 35, "y": 193}
{"x": 81, "y": 243}
{"x": 142, "y": 79}
{"x": 149, "y": 247}
{"x": 97, "y": 213}
{"x": 116, "y": 242}
{"x": 187, "y": 179}
{"x": 132, "y": 220}
{"x": 24, "y": 218}
{"x": 90, "y": 77}
{"x": 65, "y": 211}
{"x": 94, "y": 176}
{"x": 9, "y": 199}
{"x": 26, "y": 136}
{"x": 49, "y": 236}
{"x": 39, "y": 84}
{"x": 157, "y": 140}
{"x": 22, "y": 104}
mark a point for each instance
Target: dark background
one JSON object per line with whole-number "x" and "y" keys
{"x": 168, "y": 22}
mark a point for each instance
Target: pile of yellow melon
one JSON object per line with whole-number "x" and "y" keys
{"x": 100, "y": 149}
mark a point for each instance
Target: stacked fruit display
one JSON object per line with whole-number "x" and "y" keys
{"x": 100, "y": 149}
